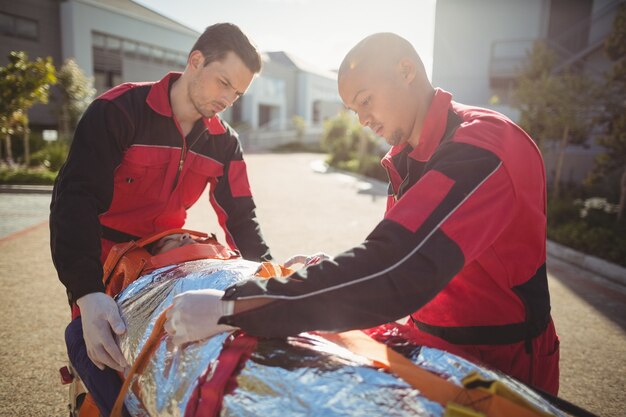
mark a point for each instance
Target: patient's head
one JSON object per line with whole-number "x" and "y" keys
{"x": 172, "y": 241}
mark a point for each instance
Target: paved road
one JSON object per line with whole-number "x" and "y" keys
{"x": 300, "y": 212}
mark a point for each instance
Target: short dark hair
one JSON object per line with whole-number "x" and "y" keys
{"x": 220, "y": 39}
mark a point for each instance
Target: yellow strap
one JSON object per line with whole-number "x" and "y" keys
{"x": 474, "y": 379}
{"x": 430, "y": 385}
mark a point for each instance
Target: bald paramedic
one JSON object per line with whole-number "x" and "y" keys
{"x": 461, "y": 249}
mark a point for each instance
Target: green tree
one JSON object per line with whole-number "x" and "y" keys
{"x": 613, "y": 118}
{"x": 76, "y": 92}
{"x": 555, "y": 107}
{"x": 23, "y": 83}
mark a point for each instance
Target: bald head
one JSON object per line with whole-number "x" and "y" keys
{"x": 382, "y": 79}
{"x": 381, "y": 51}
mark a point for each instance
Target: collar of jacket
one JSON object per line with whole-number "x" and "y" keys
{"x": 159, "y": 100}
{"x": 432, "y": 131}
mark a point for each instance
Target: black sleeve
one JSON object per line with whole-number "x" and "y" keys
{"x": 83, "y": 190}
{"x": 402, "y": 265}
{"x": 236, "y": 209}
{"x": 374, "y": 283}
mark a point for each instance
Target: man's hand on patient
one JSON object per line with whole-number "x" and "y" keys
{"x": 194, "y": 315}
{"x": 100, "y": 315}
{"x": 307, "y": 260}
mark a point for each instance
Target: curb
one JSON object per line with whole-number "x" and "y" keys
{"x": 26, "y": 189}
{"x": 608, "y": 270}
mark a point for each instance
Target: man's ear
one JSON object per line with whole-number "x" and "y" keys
{"x": 407, "y": 70}
{"x": 196, "y": 60}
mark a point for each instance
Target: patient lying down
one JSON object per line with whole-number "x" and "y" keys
{"x": 235, "y": 374}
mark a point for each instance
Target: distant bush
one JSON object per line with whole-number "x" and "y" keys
{"x": 588, "y": 226}
{"x": 352, "y": 148}
{"x": 52, "y": 156}
{"x": 27, "y": 176}
{"x": 298, "y": 147}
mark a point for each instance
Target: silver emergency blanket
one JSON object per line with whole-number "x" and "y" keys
{"x": 304, "y": 375}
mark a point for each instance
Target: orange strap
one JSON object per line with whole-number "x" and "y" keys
{"x": 88, "y": 408}
{"x": 273, "y": 270}
{"x": 153, "y": 340}
{"x": 127, "y": 261}
{"x": 119, "y": 250}
{"x": 140, "y": 362}
{"x": 149, "y": 239}
{"x": 189, "y": 253}
{"x": 430, "y": 385}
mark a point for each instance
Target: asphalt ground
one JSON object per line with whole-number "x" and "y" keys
{"x": 300, "y": 211}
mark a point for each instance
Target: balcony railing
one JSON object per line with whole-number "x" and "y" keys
{"x": 508, "y": 55}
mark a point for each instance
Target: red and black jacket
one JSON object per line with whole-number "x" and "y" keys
{"x": 461, "y": 247}
{"x": 130, "y": 173}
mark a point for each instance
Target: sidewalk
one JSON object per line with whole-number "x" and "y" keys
{"x": 21, "y": 211}
{"x": 26, "y": 189}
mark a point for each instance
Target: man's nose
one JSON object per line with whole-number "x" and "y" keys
{"x": 364, "y": 119}
{"x": 229, "y": 97}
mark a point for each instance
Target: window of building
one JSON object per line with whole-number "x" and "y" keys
{"x": 19, "y": 27}
{"x": 108, "y": 44}
{"x": 316, "y": 112}
{"x": 105, "y": 80}
{"x": 265, "y": 115}
{"x": 569, "y": 23}
{"x": 236, "y": 113}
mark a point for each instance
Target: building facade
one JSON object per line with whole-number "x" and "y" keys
{"x": 480, "y": 47}
{"x": 116, "y": 41}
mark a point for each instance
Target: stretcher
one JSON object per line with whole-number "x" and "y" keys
{"x": 376, "y": 372}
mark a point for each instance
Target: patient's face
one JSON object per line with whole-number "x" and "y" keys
{"x": 171, "y": 242}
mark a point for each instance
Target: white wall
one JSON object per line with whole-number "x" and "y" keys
{"x": 79, "y": 18}
{"x": 269, "y": 91}
{"x": 140, "y": 70}
{"x": 313, "y": 87}
{"x": 464, "y": 33}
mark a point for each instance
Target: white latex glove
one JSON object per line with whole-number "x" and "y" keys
{"x": 194, "y": 315}
{"x": 307, "y": 260}
{"x": 100, "y": 315}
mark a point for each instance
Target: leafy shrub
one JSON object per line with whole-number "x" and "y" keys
{"x": 27, "y": 176}
{"x": 298, "y": 147}
{"x": 605, "y": 243}
{"x": 353, "y": 148}
{"x": 562, "y": 211}
{"x": 52, "y": 156}
{"x": 588, "y": 225}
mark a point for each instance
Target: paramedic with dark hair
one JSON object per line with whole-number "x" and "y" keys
{"x": 461, "y": 248}
{"x": 142, "y": 154}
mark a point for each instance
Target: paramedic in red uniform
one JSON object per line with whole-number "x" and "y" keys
{"x": 461, "y": 248}
{"x": 142, "y": 154}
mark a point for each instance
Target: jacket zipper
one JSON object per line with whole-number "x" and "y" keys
{"x": 388, "y": 168}
{"x": 183, "y": 156}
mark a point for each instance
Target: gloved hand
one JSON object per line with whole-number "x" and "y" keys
{"x": 307, "y": 260}
{"x": 100, "y": 314}
{"x": 194, "y": 315}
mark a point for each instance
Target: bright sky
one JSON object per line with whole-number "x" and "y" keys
{"x": 320, "y": 32}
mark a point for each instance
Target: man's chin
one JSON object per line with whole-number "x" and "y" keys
{"x": 393, "y": 141}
